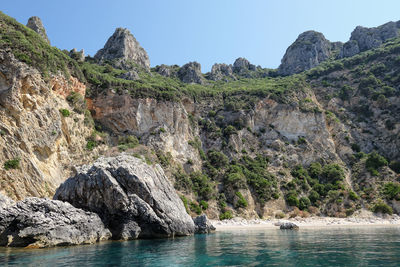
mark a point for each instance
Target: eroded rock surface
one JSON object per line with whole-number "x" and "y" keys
{"x": 36, "y": 222}
{"x": 123, "y": 49}
{"x": 134, "y": 200}
{"x": 191, "y": 73}
{"x": 33, "y": 130}
{"x": 363, "y": 38}
{"x": 35, "y": 23}
{"x": 167, "y": 71}
{"x": 242, "y": 65}
{"x": 221, "y": 71}
{"x": 308, "y": 51}
{"x": 5, "y": 201}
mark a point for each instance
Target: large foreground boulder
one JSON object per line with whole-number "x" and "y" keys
{"x": 38, "y": 222}
{"x": 134, "y": 199}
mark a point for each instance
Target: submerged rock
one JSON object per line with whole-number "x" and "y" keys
{"x": 35, "y": 23}
{"x": 134, "y": 200}
{"x": 288, "y": 226}
{"x": 37, "y": 222}
{"x": 203, "y": 225}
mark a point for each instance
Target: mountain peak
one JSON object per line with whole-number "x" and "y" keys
{"x": 308, "y": 51}
{"x": 123, "y": 47}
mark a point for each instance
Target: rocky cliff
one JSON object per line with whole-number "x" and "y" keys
{"x": 363, "y": 38}
{"x": 240, "y": 141}
{"x": 308, "y": 51}
{"x": 41, "y": 133}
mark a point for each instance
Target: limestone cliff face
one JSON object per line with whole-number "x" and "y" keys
{"x": 163, "y": 125}
{"x": 276, "y": 131}
{"x": 287, "y": 124}
{"x": 34, "y": 131}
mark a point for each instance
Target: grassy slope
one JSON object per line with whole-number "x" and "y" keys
{"x": 29, "y": 47}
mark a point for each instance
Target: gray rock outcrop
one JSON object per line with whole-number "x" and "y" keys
{"x": 77, "y": 55}
{"x": 37, "y": 222}
{"x": 130, "y": 75}
{"x": 288, "y": 226}
{"x": 167, "y": 71}
{"x": 123, "y": 49}
{"x": 35, "y": 23}
{"x": 203, "y": 225}
{"x": 363, "y": 38}
{"x": 242, "y": 65}
{"x": 349, "y": 49}
{"x": 308, "y": 51}
{"x": 221, "y": 71}
{"x": 133, "y": 199}
{"x": 191, "y": 73}
{"x": 5, "y": 201}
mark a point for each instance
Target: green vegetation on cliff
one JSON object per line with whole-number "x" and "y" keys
{"x": 355, "y": 100}
{"x": 29, "y": 47}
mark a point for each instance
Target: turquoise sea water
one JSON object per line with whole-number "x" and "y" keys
{"x": 376, "y": 246}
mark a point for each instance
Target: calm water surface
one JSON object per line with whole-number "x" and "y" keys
{"x": 324, "y": 247}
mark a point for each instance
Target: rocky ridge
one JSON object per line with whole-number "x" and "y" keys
{"x": 363, "y": 38}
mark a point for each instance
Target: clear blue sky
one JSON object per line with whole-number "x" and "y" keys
{"x": 206, "y": 31}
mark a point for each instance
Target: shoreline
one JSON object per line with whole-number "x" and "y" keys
{"x": 306, "y": 223}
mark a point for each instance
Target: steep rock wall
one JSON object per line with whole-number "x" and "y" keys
{"x": 33, "y": 130}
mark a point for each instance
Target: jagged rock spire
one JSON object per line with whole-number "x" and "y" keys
{"x": 123, "y": 48}
{"x": 35, "y": 23}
